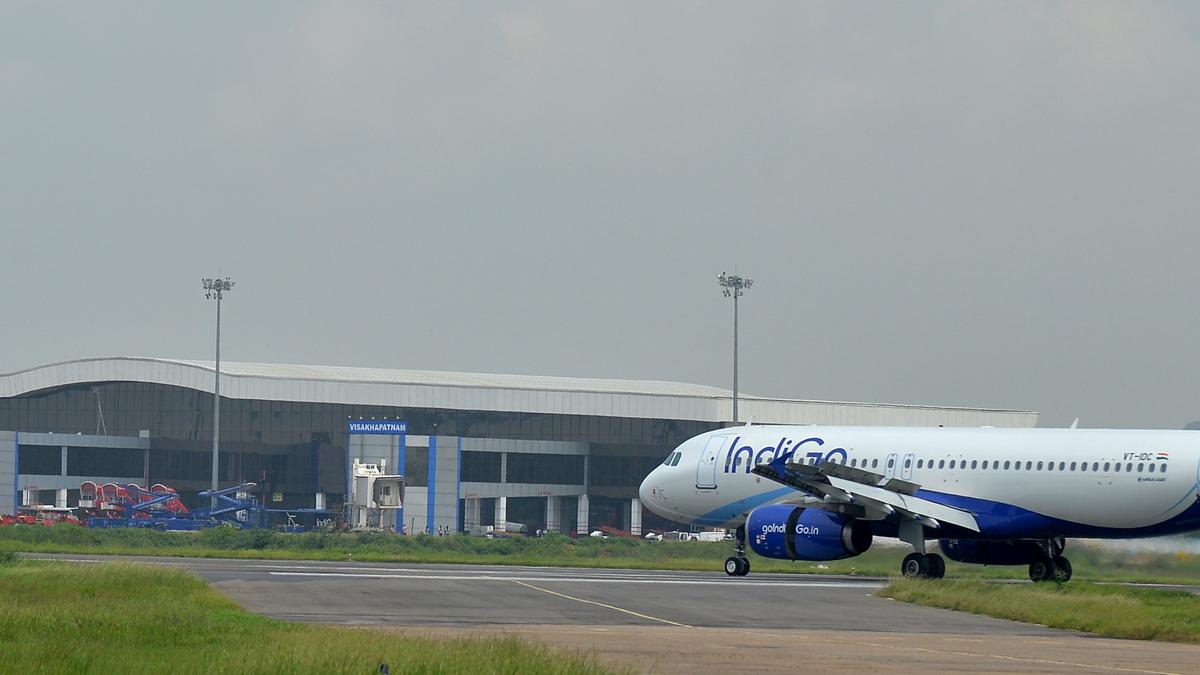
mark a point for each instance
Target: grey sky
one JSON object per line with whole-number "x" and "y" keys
{"x": 970, "y": 204}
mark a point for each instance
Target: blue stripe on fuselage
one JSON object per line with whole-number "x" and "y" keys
{"x": 997, "y": 520}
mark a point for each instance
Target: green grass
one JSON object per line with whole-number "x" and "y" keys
{"x": 554, "y": 550}
{"x": 1105, "y": 610}
{"x": 118, "y": 618}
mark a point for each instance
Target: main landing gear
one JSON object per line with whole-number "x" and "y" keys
{"x": 1051, "y": 565}
{"x": 923, "y": 566}
{"x": 918, "y": 564}
{"x": 738, "y": 565}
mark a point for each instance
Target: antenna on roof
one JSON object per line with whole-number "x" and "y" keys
{"x": 1075, "y": 424}
{"x": 750, "y": 421}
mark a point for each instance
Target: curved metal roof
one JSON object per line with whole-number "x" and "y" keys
{"x": 491, "y": 392}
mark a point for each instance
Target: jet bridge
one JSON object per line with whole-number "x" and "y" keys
{"x": 374, "y": 493}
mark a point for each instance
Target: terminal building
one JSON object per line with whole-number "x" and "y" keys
{"x": 555, "y": 453}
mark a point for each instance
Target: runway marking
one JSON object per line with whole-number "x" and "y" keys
{"x": 591, "y": 580}
{"x": 601, "y": 604}
{"x": 1025, "y": 659}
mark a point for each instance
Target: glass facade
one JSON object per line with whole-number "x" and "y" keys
{"x": 298, "y": 448}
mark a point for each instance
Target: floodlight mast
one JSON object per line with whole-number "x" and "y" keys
{"x": 735, "y": 287}
{"x": 214, "y": 289}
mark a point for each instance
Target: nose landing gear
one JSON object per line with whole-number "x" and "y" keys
{"x": 738, "y": 565}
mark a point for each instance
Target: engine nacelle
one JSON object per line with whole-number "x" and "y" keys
{"x": 1011, "y": 552}
{"x": 795, "y": 533}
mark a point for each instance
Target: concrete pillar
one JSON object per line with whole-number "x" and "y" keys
{"x": 581, "y": 523}
{"x": 553, "y": 509}
{"x": 635, "y": 517}
{"x": 471, "y": 509}
{"x": 60, "y": 498}
{"x": 319, "y": 500}
{"x": 501, "y": 514}
{"x": 29, "y": 497}
{"x": 627, "y": 516}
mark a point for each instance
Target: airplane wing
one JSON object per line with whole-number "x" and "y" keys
{"x": 837, "y": 487}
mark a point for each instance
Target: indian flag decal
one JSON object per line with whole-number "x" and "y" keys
{"x": 1162, "y": 457}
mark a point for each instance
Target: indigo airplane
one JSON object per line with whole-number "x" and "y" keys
{"x": 990, "y": 496}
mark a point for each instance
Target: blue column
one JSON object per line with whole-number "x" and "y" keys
{"x": 401, "y": 460}
{"x": 431, "y": 492}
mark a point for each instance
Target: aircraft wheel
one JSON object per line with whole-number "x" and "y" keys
{"x": 1062, "y": 569}
{"x": 745, "y": 566}
{"x": 915, "y": 566}
{"x": 1042, "y": 569}
{"x": 937, "y": 566}
{"x": 733, "y": 567}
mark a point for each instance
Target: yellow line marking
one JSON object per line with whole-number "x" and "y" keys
{"x": 601, "y": 604}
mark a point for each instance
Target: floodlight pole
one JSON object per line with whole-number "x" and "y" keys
{"x": 735, "y": 287}
{"x": 215, "y": 290}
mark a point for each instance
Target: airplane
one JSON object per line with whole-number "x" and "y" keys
{"x": 989, "y": 496}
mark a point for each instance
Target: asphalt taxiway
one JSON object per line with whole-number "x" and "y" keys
{"x": 671, "y": 621}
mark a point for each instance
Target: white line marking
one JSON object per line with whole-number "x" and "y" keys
{"x": 594, "y": 580}
{"x": 601, "y": 604}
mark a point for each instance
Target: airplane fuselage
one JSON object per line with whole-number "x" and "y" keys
{"x": 1019, "y": 483}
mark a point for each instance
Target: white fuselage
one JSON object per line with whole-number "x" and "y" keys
{"x": 1020, "y": 482}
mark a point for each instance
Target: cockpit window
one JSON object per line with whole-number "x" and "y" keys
{"x": 672, "y": 459}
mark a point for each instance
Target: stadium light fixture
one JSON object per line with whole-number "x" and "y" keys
{"x": 215, "y": 289}
{"x": 734, "y": 286}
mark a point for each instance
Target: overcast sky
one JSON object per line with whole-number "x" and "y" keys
{"x": 988, "y": 204}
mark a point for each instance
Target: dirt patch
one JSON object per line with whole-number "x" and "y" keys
{"x": 666, "y": 649}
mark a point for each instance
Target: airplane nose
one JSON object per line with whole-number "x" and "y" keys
{"x": 644, "y": 491}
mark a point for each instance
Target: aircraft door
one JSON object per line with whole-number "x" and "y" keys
{"x": 907, "y": 467}
{"x": 706, "y": 466}
{"x": 890, "y": 468}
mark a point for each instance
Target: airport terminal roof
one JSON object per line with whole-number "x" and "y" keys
{"x": 489, "y": 392}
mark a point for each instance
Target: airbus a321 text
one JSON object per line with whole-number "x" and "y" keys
{"x": 990, "y": 496}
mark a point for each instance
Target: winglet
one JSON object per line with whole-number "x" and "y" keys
{"x": 1075, "y": 423}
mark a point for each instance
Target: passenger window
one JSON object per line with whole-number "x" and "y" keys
{"x": 1084, "y": 466}
{"x": 1117, "y": 467}
{"x": 920, "y": 463}
{"x": 1106, "y": 466}
{"x": 1039, "y": 466}
{"x": 854, "y": 462}
{"x": 1140, "y": 467}
{"x": 1050, "y": 466}
{"x": 1006, "y": 465}
{"x": 1162, "y": 468}
{"x": 1029, "y": 466}
{"x": 1129, "y": 467}
{"x": 996, "y": 465}
{"x": 974, "y": 463}
{"x": 1151, "y": 468}
{"x": 1062, "y": 466}
{"x": 1096, "y": 466}
{"x": 907, "y": 462}
{"x": 874, "y": 463}
{"x": 891, "y": 462}
{"x": 941, "y": 463}
{"x": 984, "y": 465}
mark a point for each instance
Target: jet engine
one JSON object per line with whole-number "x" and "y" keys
{"x": 795, "y": 533}
{"x": 1010, "y": 552}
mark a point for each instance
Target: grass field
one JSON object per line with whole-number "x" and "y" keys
{"x": 1106, "y": 610}
{"x": 551, "y": 550}
{"x": 119, "y": 618}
